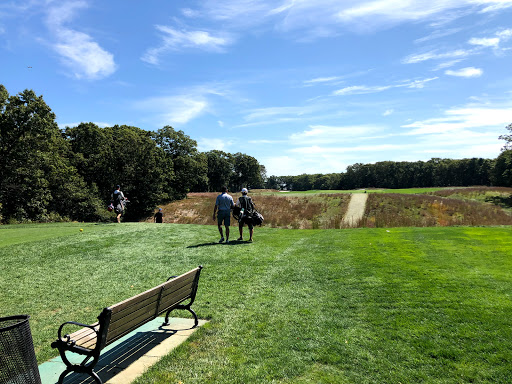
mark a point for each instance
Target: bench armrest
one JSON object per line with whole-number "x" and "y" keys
{"x": 66, "y": 337}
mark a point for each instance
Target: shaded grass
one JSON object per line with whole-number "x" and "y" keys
{"x": 412, "y": 305}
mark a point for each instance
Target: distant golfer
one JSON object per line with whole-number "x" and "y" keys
{"x": 245, "y": 202}
{"x": 159, "y": 216}
{"x": 224, "y": 204}
{"x": 119, "y": 201}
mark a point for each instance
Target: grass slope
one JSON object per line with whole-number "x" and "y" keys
{"x": 410, "y": 305}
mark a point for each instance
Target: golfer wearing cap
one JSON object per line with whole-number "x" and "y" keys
{"x": 245, "y": 203}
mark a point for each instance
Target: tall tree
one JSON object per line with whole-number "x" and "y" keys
{"x": 189, "y": 166}
{"x": 507, "y": 138}
{"x": 37, "y": 180}
{"x": 220, "y": 169}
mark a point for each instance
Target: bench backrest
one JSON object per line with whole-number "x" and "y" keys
{"x": 146, "y": 306}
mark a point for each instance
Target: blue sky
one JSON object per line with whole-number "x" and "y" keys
{"x": 305, "y": 86}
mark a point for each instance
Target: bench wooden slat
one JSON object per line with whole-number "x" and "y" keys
{"x": 149, "y": 310}
{"x": 175, "y": 297}
{"x": 132, "y": 323}
{"x": 141, "y": 296}
{"x": 134, "y": 306}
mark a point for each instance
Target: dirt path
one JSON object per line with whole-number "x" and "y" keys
{"x": 355, "y": 209}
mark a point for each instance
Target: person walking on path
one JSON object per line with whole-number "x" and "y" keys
{"x": 159, "y": 216}
{"x": 119, "y": 201}
{"x": 224, "y": 204}
{"x": 245, "y": 203}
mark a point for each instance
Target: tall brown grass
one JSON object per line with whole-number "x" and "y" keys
{"x": 463, "y": 206}
{"x": 297, "y": 212}
{"x": 396, "y": 210}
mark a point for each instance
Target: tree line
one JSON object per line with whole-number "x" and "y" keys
{"x": 49, "y": 174}
{"x": 436, "y": 172}
{"x": 389, "y": 174}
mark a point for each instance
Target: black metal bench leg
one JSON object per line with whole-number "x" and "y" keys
{"x": 187, "y": 307}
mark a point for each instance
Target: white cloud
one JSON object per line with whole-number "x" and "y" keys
{"x": 472, "y": 117}
{"x": 84, "y": 57}
{"x": 433, "y": 55}
{"x": 78, "y": 51}
{"x": 275, "y": 112}
{"x": 332, "y": 134}
{"x": 208, "y": 144}
{"x": 172, "y": 110}
{"x": 485, "y": 42}
{"x": 323, "y": 80}
{"x": 173, "y": 39}
{"x": 309, "y": 19}
{"x": 388, "y": 112}
{"x": 364, "y": 89}
{"x": 465, "y": 72}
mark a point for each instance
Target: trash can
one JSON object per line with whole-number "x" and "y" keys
{"x": 18, "y": 364}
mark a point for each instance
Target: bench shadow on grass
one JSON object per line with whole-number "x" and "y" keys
{"x": 231, "y": 242}
{"x": 117, "y": 359}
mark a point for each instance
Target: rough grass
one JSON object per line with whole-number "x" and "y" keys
{"x": 297, "y": 212}
{"x": 417, "y": 207}
{"x": 395, "y": 210}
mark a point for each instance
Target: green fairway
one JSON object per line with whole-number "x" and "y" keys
{"x": 400, "y": 305}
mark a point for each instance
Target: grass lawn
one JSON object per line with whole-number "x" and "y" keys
{"x": 400, "y": 305}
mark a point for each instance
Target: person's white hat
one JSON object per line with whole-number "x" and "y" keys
{"x": 244, "y": 190}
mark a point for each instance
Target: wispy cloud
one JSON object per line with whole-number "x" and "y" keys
{"x": 324, "y": 18}
{"x": 365, "y": 89}
{"x": 433, "y": 55}
{"x": 175, "y": 40}
{"x": 494, "y": 42}
{"x": 323, "y": 80}
{"x": 182, "y": 106}
{"x": 208, "y": 144}
{"x": 172, "y": 110}
{"x": 465, "y": 72}
{"x": 78, "y": 51}
{"x": 471, "y": 117}
{"x": 325, "y": 134}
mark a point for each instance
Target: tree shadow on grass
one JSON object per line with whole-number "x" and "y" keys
{"x": 233, "y": 242}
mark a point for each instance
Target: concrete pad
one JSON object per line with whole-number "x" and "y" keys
{"x": 126, "y": 359}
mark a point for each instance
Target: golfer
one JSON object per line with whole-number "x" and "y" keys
{"x": 224, "y": 204}
{"x": 245, "y": 203}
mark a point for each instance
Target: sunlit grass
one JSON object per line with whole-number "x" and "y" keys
{"x": 409, "y": 305}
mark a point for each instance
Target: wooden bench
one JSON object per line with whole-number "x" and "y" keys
{"x": 120, "y": 319}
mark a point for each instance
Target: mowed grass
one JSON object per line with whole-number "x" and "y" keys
{"x": 398, "y": 305}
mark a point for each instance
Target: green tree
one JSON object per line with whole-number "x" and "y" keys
{"x": 502, "y": 172}
{"x": 189, "y": 166}
{"x": 507, "y": 138}
{"x": 37, "y": 179}
{"x": 246, "y": 172}
{"x": 220, "y": 169}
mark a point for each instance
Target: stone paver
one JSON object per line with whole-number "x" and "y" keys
{"x": 128, "y": 358}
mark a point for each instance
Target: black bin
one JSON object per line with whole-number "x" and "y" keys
{"x": 18, "y": 364}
